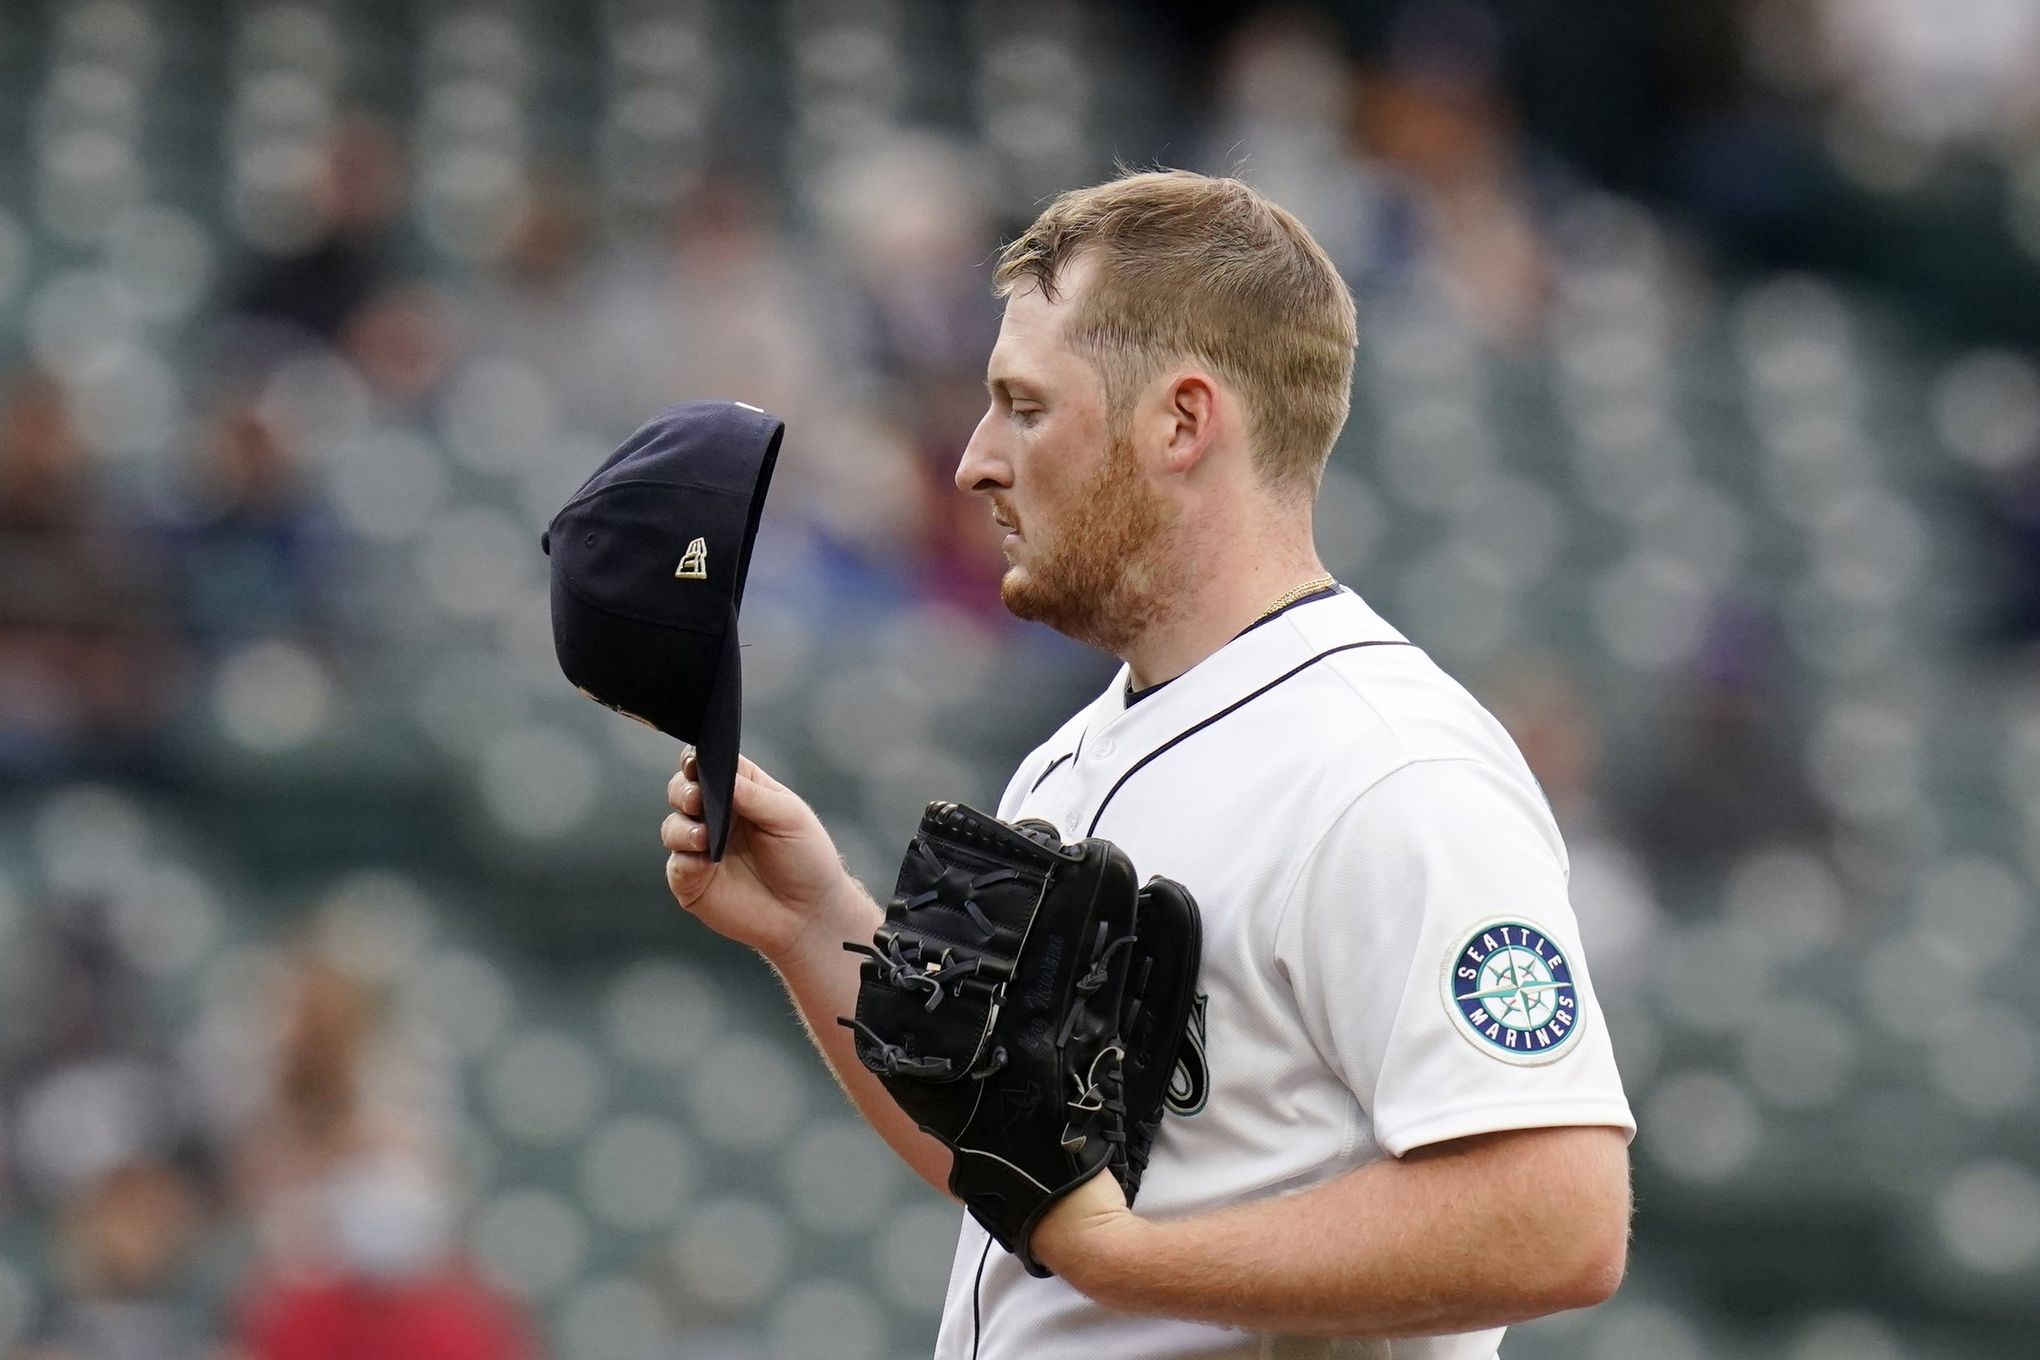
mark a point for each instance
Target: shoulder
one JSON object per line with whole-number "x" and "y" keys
{"x": 1395, "y": 752}
{"x": 1372, "y": 694}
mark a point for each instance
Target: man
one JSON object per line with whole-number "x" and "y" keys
{"x": 1401, "y": 1117}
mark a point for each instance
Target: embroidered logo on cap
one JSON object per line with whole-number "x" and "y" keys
{"x": 1510, "y": 990}
{"x": 694, "y": 562}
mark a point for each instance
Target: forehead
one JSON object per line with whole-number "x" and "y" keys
{"x": 1031, "y": 332}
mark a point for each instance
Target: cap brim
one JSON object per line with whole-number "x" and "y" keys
{"x": 716, "y": 752}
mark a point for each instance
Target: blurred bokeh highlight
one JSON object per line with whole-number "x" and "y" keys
{"x": 1697, "y": 428}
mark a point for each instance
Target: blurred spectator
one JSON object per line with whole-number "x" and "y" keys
{"x": 1540, "y": 703}
{"x": 317, "y": 291}
{"x": 346, "y": 1098}
{"x": 395, "y": 1289}
{"x": 254, "y": 553}
{"x": 721, "y": 309}
{"x": 2010, "y": 515}
{"x": 729, "y": 309}
{"x": 1726, "y": 777}
{"x": 1929, "y": 73}
{"x": 84, "y": 674}
{"x": 541, "y": 304}
{"x": 1412, "y": 166}
{"x": 910, "y": 217}
{"x": 344, "y": 1173}
{"x": 124, "y": 1249}
{"x": 403, "y": 343}
{"x": 90, "y": 1085}
{"x": 1288, "y": 102}
{"x": 1437, "y": 114}
{"x": 910, "y": 220}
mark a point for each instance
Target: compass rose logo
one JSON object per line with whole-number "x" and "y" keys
{"x": 1510, "y": 987}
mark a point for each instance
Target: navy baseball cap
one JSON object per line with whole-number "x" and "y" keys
{"x": 648, "y": 565}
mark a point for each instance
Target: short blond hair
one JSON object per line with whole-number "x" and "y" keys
{"x": 1187, "y": 266}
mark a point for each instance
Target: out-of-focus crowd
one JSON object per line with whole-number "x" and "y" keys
{"x": 865, "y": 328}
{"x": 301, "y": 1170}
{"x": 313, "y": 1128}
{"x": 109, "y": 593}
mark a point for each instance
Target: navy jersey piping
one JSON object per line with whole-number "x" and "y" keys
{"x": 1053, "y": 766}
{"x": 1134, "y": 696}
{"x": 1230, "y": 708}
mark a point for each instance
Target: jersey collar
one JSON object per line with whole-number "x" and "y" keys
{"x": 1229, "y": 674}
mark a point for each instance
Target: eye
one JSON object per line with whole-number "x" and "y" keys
{"x": 1027, "y": 415}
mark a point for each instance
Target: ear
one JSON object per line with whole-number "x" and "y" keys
{"x": 1190, "y": 418}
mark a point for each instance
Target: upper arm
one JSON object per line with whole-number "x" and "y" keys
{"x": 1575, "y": 1161}
{"x": 1436, "y": 962}
{"x": 1563, "y": 1192}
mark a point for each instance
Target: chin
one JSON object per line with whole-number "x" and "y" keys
{"x": 1013, "y": 585}
{"x": 1017, "y": 591}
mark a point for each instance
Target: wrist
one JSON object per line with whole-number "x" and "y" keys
{"x": 846, "y": 912}
{"x": 1096, "y": 1243}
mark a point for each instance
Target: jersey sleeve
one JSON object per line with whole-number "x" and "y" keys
{"x": 1434, "y": 956}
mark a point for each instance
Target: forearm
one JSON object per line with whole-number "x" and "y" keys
{"x": 1452, "y": 1242}
{"x": 822, "y": 978}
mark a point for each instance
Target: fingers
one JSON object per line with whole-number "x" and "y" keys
{"x": 688, "y": 876}
{"x": 683, "y": 794}
{"x": 746, "y": 768}
{"x": 683, "y": 835}
{"x": 689, "y": 870}
{"x": 762, "y": 801}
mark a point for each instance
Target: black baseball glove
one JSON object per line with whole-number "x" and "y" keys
{"x": 1025, "y": 1002}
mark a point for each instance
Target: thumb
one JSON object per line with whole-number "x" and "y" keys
{"x": 771, "y": 808}
{"x": 748, "y": 767}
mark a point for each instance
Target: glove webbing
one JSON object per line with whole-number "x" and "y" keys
{"x": 913, "y": 974}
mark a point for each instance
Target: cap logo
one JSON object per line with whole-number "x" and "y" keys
{"x": 694, "y": 562}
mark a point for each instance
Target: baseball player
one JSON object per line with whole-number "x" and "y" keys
{"x": 1399, "y": 1127}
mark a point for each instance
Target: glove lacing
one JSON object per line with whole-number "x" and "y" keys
{"x": 1099, "y": 1094}
{"x": 888, "y": 1059}
{"x": 1095, "y": 977}
{"x": 956, "y": 890}
{"x": 913, "y": 974}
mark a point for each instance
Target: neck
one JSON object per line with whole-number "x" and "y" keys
{"x": 1231, "y": 592}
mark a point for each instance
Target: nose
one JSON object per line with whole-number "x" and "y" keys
{"x": 983, "y": 466}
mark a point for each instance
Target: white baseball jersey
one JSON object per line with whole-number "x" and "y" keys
{"x": 1389, "y": 956}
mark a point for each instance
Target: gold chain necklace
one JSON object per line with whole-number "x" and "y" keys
{"x": 1295, "y": 593}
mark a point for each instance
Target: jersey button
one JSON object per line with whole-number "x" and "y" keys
{"x": 1103, "y": 748}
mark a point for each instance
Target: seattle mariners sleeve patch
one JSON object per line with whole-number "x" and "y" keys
{"x": 1510, "y": 990}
